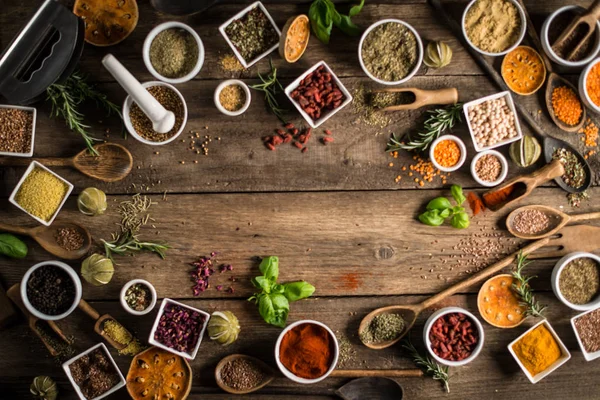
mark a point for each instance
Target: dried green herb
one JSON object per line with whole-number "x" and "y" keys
{"x": 523, "y": 289}
{"x": 575, "y": 174}
{"x": 430, "y": 367}
{"x": 253, "y": 34}
{"x": 271, "y": 86}
{"x": 383, "y": 328}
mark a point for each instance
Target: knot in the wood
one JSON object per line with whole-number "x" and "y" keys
{"x": 385, "y": 252}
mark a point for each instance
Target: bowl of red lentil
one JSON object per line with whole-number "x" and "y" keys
{"x": 587, "y": 331}
{"x": 489, "y": 168}
{"x": 589, "y": 85}
{"x": 576, "y": 280}
{"x": 17, "y": 130}
{"x": 448, "y": 153}
{"x": 232, "y": 97}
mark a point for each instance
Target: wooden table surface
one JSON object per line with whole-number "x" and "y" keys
{"x": 335, "y": 216}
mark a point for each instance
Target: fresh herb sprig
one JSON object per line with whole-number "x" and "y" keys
{"x": 323, "y": 16}
{"x": 274, "y": 299}
{"x": 440, "y": 208}
{"x": 523, "y": 289}
{"x": 271, "y": 86}
{"x": 439, "y": 120}
{"x": 430, "y": 367}
{"x": 122, "y": 244}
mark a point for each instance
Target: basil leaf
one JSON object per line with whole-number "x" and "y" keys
{"x": 458, "y": 195}
{"x": 333, "y": 14}
{"x": 460, "y": 220}
{"x": 277, "y": 288}
{"x": 281, "y": 308}
{"x": 347, "y": 26}
{"x": 298, "y": 290}
{"x": 260, "y": 282}
{"x": 354, "y": 10}
{"x": 269, "y": 267}
{"x": 457, "y": 209}
{"x": 12, "y": 246}
{"x": 445, "y": 213}
{"x": 439, "y": 203}
{"x": 265, "y": 308}
{"x": 320, "y": 20}
{"x": 432, "y": 218}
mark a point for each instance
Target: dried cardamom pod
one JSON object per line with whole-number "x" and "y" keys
{"x": 525, "y": 152}
{"x": 437, "y": 54}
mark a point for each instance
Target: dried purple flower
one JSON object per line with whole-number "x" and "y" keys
{"x": 179, "y": 328}
{"x": 219, "y": 287}
{"x": 203, "y": 269}
{"x": 230, "y": 290}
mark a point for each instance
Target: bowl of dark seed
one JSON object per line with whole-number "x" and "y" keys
{"x": 232, "y": 97}
{"x": 51, "y": 290}
{"x": 576, "y": 280}
{"x": 173, "y": 52}
{"x": 587, "y": 331}
{"x": 489, "y": 168}
{"x": 138, "y": 297}
{"x": 17, "y": 130}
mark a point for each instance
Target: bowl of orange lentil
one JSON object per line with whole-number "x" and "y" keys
{"x": 448, "y": 153}
{"x": 589, "y": 85}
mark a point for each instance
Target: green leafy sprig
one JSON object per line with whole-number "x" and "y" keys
{"x": 274, "y": 299}
{"x": 523, "y": 289}
{"x": 122, "y": 244}
{"x": 430, "y": 367}
{"x": 323, "y": 16}
{"x": 440, "y": 208}
{"x": 271, "y": 86}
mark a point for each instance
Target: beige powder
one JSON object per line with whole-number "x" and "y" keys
{"x": 493, "y": 25}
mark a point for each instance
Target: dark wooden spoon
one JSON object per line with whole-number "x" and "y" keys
{"x": 552, "y": 83}
{"x": 99, "y": 325}
{"x": 45, "y": 236}
{"x": 113, "y": 163}
{"x": 589, "y": 19}
{"x": 558, "y": 220}
{"x": 371, "y": 388}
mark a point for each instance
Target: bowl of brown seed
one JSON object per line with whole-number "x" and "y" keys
{"x": 232, "y": 97}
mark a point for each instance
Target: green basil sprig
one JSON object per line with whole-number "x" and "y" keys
{"x": 323, "y": 16}
{"x": 440, "y": 208}
{"x": 12, "y": 246}
{"x": 274, "y": 299}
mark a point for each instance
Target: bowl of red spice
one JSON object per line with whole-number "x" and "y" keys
{"x": 489, "y": 168}
{"x": 307, "y": 351}
{"x": 138, "y": 297}
{"x": 589, "y": 85}
{"x": 453, "y": 336}
{"x": 448, "y": 153}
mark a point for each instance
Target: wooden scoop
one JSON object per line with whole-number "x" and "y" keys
{"x": 410, "y": 312}
{"x": 113, "y": 163}
{"x": 558, "y": 220}
{"x": 568, "y": 240}
{"x": 99, "y": 326}
{"x": 422, "y": 97}
{"x": 553, "y": 82}
{"x": 371, "y": 388}
{"x": 45, "y": 236}
{"x": 589, "y": 19}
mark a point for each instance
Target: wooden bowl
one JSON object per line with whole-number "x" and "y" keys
{"x": 504, "y": 282}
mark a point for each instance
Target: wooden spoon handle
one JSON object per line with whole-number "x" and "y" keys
{"x": 594, "y": 11}
{"x": 426, "y": 97}
{"x": 89, "y": 310}
{"x": 484, "y": 273}
{"x": 546, "y": 173}
{"x": 390, "y": 373}
{"x": 585, "y": 217}
{"x": 48, "y": 162}
{"x": 15, "y": 229}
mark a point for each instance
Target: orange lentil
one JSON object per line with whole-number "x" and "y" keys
{"x": 391, "y": 164}
{"x": 590, "y": 130}
{"x": 447, "y": 153}
{"x": 566, "y": 105}
{"x": 592, "y": 84}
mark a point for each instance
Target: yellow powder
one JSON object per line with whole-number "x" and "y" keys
{"x": 493, "y": 25}
{"x": 41, "y": 193}
{"x": 537, "y": 350}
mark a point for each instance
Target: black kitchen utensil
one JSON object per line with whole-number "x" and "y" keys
{"x": 181, "y": 7}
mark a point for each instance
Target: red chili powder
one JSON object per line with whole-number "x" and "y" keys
{"x": 307, "y": 351}
{"x": 350, "y": 281}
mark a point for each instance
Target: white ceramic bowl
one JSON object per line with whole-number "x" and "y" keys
{"x": 152, "y": 341}
{"x": 33, "y": 165}
{"x": 288, "y": 374}
{"x": 223, "y": 85}
{"x": 588, "y": 356}
{"x": 573, "y": 65}
{"x": 248, "y": 63}
{"x": 583, "y": 87}
{"x": 503, "y": 173}
{"x": 450, "y": 310}
{"x": 511, "y": 48}
{"x": 163, "y": 27}
{"x": 556, "y": 272}
{"x": 461, "y": 146}
{"x": 511, "y": 105}
{"x": 118, "y": 386}
{"x": 419, "y": 49}
{"x": 30, "y": 152}
{"x": 565, "y": 354}
{"x": 292, "y": 86}
{"x": 129, "y": 126}
{"x": 153, "y": 297}
{"x": 33, "y": 310}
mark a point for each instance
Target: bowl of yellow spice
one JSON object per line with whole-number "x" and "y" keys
{"x": 41, "y": 193}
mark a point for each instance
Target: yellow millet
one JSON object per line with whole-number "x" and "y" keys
{"x": 41, "y": 194}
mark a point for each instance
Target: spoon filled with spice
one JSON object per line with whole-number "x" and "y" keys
{"x": 65, "y": 240}
{"x": 538, "y": 221}
{"x": 118, "y": 337}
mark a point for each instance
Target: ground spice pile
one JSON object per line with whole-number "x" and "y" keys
{"x": 230, "y": 63}
{"x": 566, "y": 105}
{"x": 232, "y": 97}
{"x": 493, "y": 25}
{"x": 143, "y": 125}
{"x": 537, "y": 350}
{"x": 383, "y": 328}
{"x": 368, "y": 113}
{"x": 16, "y": 127}
{"x": 579, "y": 281}
{"x": 174, "y": 53}
{"x": 94, "y": 374}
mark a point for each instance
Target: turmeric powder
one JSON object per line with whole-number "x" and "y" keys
{"x": 537, "y": 350}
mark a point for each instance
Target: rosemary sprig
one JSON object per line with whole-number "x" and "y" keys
{"x": 270, "y": 86}
{"x": 523, "y": 289}
{"x": 439, "y": 120}
{"x": 430, "y": 367}
{"x": 124, "y": 243}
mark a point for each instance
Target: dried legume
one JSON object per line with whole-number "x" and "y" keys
{"x": 592, "y": 84}
{"x": 566, "y": 105}
{"x": 447, "y": 153}
{"x": 488, "y": 168}
{"x": 588, "y": 328}
{"x": 492, "y": 122}
{"x": 531, "y": 222}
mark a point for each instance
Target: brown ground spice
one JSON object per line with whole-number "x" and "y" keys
{"x": 493, "y": 25}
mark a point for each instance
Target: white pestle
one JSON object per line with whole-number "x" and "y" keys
{"x": 162, "y": 119}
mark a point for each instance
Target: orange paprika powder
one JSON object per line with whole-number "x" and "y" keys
{"x": 498, "y": 197}
{"x": 307, "y": 351}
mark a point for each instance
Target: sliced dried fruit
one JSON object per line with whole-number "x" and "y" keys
{"x": 107, "y": 22}
{"x": 159, "y": 374}
{"x": 223, "y": 327}
{"x": 523, "y": 70}
{"x": 294, "y": 38}
{"x": 525, "y": 152}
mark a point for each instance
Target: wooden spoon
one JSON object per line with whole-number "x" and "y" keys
{"x": 113, "y": 163}
{"x": 45, "y": 236}
{"x": 422, "y": 97}
{"x": 558, "y": 220}
{"x": 411, "y": 312}
{"x": 553, "y": 82}
{"x": 99, "y": 325}
{"x": 590, "y": 18}
{"x": 371, "y": 388}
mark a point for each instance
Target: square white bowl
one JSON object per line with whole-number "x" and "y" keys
{"x": 33, "y": 165}
{"x": 588, "y": 356}
{"x": 30, "y": 152}
{"x": 239, "y": 15}
{"x": 161, "y": 310}
{"x": 112, "y": 361}
{"x": 292, "y": 86}
{"x": 511, "y": 105}
{"x": 563, "y": 359}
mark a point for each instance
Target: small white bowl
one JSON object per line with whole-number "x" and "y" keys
{"x": 563, "y": 359}
{"x": 556, "y": 272}
{"x": 30, "y": 152}
{"x": 451, "y": 310}
{"x": 288, "y": 374}
{"x": 118, "y": 386}
{"x": 152, "y": 297}
{"x": 33, "y": 165}
{"x": 503, "y": 173}
{"x": 419, "y": 49}
{"x": 588, "y": 356}
{"x": 585, "y": 97}
{"x": 163, "y": 27}
{"x": 248, "y": 64}
{"x": 223, "y": 85}
{"x": 152, "y": 341}
{"x": 511, "y": 105}
{"x": 32, "y": 309}
{"x": 292, "y": 86}
{"x": 511, "y": 48}
{"x": 461, "y": 146}
{"x": 547, "y": 47}
{"x": 127, "y": 121}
